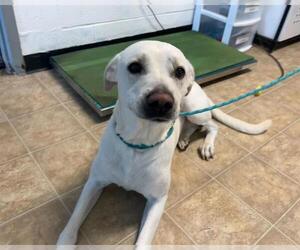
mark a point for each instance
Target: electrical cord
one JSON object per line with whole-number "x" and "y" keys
{"x": 261, "y": 47}
{"x": 154, "y": 15}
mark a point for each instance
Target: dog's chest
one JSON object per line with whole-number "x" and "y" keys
{"x": 144, "y": 173}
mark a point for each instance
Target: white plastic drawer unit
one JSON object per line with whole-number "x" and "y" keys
{"x": 232, "y": 22}
{"x": 249, "y": 11}
{"x": 242, "y": 37}
{"x": 212, "y": 27}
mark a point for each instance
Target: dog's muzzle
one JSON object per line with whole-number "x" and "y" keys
{"x": 159, "y": 105}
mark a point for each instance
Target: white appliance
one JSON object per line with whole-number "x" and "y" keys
{"x": 280, "y": 22}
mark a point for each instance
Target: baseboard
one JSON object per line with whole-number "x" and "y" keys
{"x": 40, "y": 61}
{"x": 272, "y": 45}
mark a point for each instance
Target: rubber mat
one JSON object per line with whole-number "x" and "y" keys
{"x": 84, "y": 69}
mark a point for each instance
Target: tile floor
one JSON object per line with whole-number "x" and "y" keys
{"x": 249, "y": 194}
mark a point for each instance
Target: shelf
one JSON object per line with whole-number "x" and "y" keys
{"x": 244, "y": 49}
{"x": 247, "y": 22}
{"x": 214, "y": 15}
{"x": 224, "y": 19}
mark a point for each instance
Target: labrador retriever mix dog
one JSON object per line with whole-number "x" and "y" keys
{"x": 138, "y": 144}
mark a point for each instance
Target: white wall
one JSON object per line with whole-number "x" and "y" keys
{"x": 53, "y": 25}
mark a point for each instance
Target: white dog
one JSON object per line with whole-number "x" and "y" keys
{"x": 138, "y": 144}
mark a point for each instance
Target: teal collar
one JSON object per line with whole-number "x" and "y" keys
{"x": 145, "y": 146}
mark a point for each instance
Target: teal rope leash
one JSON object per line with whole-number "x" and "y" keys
{"x": 243, "y": 96}
{"x": 218, "y": 105}
{"x": 145, "y": 146}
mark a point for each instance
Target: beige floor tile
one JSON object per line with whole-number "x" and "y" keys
{"x": 57, "y": 85}
{"x": 213, "y": 216}
{"x": 250, "y": 142}
{"x": 10, "y": 145}
{"x": 116, "y": 215}
{"x": 263, "y": 188}
{"x": 226, "y": 153}
{"x": 282, "y": 153}
{"x": 44, "y": 128}
{"x": 290, "y": 223}
{"x": 85, "y": 114}
{"x": 67, "y": 164}
{"x": 22, "y": 186}
{"x": 99, "y": 131}
{"x": 212, "y": 93}
{"x": 40, "y": 226}
{"x": 186, "y": 177}
{"x": 288, "y": 95}
{"x": 289, "y": 56}
{"x": 25, "y": 96}
{"x": 254, "y": 77}
{"x": 226, "y": 89}
{"x": 167, "y": 234}
{"x": 266, "y": 107}
{"x": 294, "y": 130}
{"x": 274, "y": 237}
{"x": 2, "y": 117}
{"x": 5, "y": 77}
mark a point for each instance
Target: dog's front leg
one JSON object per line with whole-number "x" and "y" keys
{"x": 151, "y": 217}
{"x": 88, "y": 197}
{"x": 208, "y": 148}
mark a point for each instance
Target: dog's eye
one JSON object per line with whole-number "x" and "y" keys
{"x": 179, "y": 72}
{"x": 135, "y": 68}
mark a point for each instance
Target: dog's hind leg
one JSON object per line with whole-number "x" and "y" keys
{"x": 88, "y": 197}
{"x": 208, "y": 148}
{"x": 151, "y": 217}
{"x": 187, "y": 131}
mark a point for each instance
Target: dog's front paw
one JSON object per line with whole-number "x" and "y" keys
{"x": 183, "y": 144}
{"x": 207, "y": 151}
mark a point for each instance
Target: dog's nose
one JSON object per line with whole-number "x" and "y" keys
{"x": 159, "y": 103}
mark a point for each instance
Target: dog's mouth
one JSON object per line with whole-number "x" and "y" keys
{"x": 161, "y": 119}
{"x": 171, "y": 116}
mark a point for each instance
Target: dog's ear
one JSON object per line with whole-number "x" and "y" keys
{"x": 110, "y": 73}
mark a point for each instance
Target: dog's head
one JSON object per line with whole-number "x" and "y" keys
{"x": 152, "y": 78}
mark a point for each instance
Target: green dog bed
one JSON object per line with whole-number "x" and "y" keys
{"x": 83, "y": 69}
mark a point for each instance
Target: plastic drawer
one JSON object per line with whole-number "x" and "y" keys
{"x": 242, "y": 37}
{"x": 212, "y": 27}
{"x": 246, "y": 11}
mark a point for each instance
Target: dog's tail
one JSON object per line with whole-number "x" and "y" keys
{"x": 239, "y": 125}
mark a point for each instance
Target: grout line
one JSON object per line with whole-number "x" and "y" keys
{"x": 244, "y": 202}
{"x": 66, "y": 139}
{"x": 35, "y": 111}
{"x": 181, "y": 228}
{"x": 81, "y": 123}
{"x": 185, "y": 197}
{"x": 71, "y": 190}
{"x": 127, "y": 237}
{"x": 286, "y": 212}
{"x": 288, "y": 237}
{"x": 14, "y": 159}
{"x": 276, "y": 170}
{"x": 232, "y": 165}
{"x": 39, "y": 168}
{"x": 281, "y": 217}
{"x": 263, "y": 235}
{"x": 27, "y": 211}
{"x": 86, "y": 131}
{"x": 70, "y": 112}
